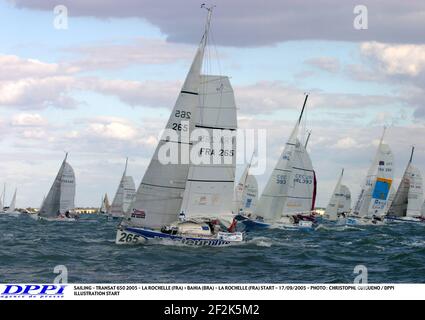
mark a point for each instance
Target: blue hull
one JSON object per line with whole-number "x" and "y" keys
{"x": 147, "y": 234}
{"x": 250, "y": 224}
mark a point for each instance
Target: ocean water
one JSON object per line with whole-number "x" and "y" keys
{"x": 29, "y": 251}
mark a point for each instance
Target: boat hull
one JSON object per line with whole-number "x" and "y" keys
{"x": 58, "y": 219}
{"x": 354, "y": 221}
{"x": 133, "y": 235}
{"x": 251, "y": 224}
{"x": 393, "y": 219}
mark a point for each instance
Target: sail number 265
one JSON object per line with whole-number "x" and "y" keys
{"x": 128, "y": 237}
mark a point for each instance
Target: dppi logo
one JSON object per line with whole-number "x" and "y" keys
{"x": 33, "y": 291}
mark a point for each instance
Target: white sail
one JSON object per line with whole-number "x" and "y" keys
{"x": 249, "y": 196}
{"x": 104, "y": 207}
{"x": 409, "y": 197}
{"x": 345, "y": 206}
{"x": 373, "y": 198}
{"x": 273, "y": 198}
{"x": 1, "y": 203}
{"x": 415, "y": 197}
{"x": 300, "y": 196}
{"x": 391, "y": 196}
{"x": 61, "y": 196}
{"x": 159, "y": 196}
{"x": 240, "y": 188}
{"x": 336, "y": 200}
{"x": 124, "y": 195}
{"x": 246, "y": 192}
{"x": 210, "y": 184}
{"x": 12, "y": 206}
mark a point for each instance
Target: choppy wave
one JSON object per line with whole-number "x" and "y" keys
{"x": 29, "y": 251}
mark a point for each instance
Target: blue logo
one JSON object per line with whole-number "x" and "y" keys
{"x": 33, "y": 291}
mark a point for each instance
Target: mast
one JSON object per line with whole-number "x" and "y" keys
{"x": 302, "y": 111}
{"x": 126, "y": 163}
{"x": 208, "y": 22}
{"x": 411, "y": 155}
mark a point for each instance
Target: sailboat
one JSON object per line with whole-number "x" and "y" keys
{"x": 289, "y": 196}
{"x": 372, "y": 203}
{"x": 409, "y": 198}
{"x": 340, "y": 203}
{"x": 59, "y": 202}
{"x": 11, "y": 210}
{"x": 190, "y": 202}
{"x": 104, "y": 206}
{"x": 246, "y": 193}
{"x": 123, "y": 197}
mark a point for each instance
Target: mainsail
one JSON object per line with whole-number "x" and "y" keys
{"x": 301, "y": 193}
{"x": 160, "y": 194}
{"x": 61, "y": 196}
{"x": 375, "y": 192}
{"x": 409, "y": 197}
{"x": 246, "y": 192}
{"x": 210, "y": 183}
{"x": 345, "y": 206}
{"x": 12, "y": 206}
{"x": 124, "y": 195}
{"x": 104, "y": 207}
{"x": 273, "y": 198}
{"x": 337, "y": 198}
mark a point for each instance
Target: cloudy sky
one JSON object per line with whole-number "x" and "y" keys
{"x": 103, "y": 88}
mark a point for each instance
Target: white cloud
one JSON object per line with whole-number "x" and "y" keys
{"x": 346, "y": 143}
{"x": 266, "y": 97}
{"x": 397, "y": 59}
{"x": 28, "y": 120}
{"x": 37, "y": 93}
{"x": 140, "y": 51}
{"x": 135, "y": 93}
{"x": 113, "y": 130}
{"x": 329, "y": 64}
{"x": 14, "y": 67}
{"x": 35, "y": 134}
